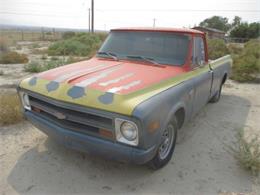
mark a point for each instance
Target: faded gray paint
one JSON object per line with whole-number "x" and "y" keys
{"x": 191, "y": 95}
{"x": 52, "y": 86}
{"x": 33, "y": 81}
{"x": 107, "y": 98}
{"x": 76, "y": 92}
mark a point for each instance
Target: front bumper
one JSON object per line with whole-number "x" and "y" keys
{"x": 90, "y": 144}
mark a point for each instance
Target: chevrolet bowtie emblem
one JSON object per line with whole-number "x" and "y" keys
{"x": 59, "y": 115}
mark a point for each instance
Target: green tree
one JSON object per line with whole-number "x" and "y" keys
{"x": 245, "y": 30}
{"x": 253, "y": 30}
{"x": 236, "y": 21}
{"x": 217, "y": 22}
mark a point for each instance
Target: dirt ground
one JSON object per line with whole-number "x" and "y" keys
{"x": 13, "y": 73}
{"x": 31, "y": 163}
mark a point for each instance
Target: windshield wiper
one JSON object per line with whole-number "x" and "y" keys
{"x": 109, "y": 54}
{"x": 151, "y": 60}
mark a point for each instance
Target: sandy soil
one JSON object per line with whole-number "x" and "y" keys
{"x": 13, "y": 73}
{"x": 31, "y": 163}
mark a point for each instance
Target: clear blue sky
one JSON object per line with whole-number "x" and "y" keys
{"x": 119, "y": 13}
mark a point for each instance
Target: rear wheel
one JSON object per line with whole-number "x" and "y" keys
{"x": 167, "y": 145}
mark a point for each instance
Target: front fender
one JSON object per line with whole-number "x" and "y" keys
{"x": 157, "y": 111}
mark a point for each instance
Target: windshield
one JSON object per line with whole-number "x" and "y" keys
{"x": 160, "y": 47}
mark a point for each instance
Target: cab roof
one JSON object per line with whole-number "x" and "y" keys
{"x": 150, "y": 29}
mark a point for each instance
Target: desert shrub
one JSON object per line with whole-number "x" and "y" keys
{"x": 72, "y": 59}
{"x": 247, "y": 152}
{"x": 217, "y": 48}
{"x": 54, "y": 58}
{"x": 33, "y": 67}
{"x": 235, "y": 49}
{"x": 102, "y": 36}
{"x": 18, "y": 47}
{"x": 36, "y": 67}
{"x": 82, "y": 44}
{"x": 68, "y": 34}
{"x": 13, "y": 58}
{"x": 44, "y": 57}
{"x": 246, "y": 67}
{"x": 53, "y": 64}
{"x": 69, "y": 47}
{"x": 39, "y": 51}
{"x": 35, "y": 45}
{"x": 10, "y": 109}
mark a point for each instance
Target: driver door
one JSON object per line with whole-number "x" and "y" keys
{"x": 202, "y": 80}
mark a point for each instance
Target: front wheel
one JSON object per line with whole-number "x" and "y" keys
{"x": 166, "y": 147}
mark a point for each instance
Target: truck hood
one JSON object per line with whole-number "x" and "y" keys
{"x": 117, "y": 86}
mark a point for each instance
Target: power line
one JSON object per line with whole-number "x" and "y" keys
{"x": 33, "y": 14}
{"x": 176, "y": 10}
{"x": 128, "y": 10}
{"x": 133, "y": 10}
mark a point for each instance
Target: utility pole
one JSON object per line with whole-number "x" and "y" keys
{"x": 54, "y": 33}
{"x": 42, "y": 33}
{"x": 92, "y": 14}
{"x": 22, "y": 35}
{"x": 89, "y": 21}
{"x": 154, "y": 21}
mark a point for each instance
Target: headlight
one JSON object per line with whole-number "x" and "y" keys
{"x": 25, "y": 100}
{"x": 126, "y": 131}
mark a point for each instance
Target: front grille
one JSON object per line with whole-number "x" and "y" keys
{"x": 71, "y": 119}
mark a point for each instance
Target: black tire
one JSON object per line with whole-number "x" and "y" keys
{"x": 159, "y": 160}
{"x": 217, "y": 96}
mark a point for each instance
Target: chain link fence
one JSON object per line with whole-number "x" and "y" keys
{"x": 30, "y": 35}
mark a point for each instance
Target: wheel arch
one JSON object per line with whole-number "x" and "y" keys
{"x": 180, "y": 116}
{"x": 179, "y": 112}
{"x": 224, "y": 78}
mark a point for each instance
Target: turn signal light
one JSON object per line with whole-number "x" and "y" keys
{"x": 106, "y": 133}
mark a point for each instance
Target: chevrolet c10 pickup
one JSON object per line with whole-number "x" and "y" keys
{"x": 129, "y": 101}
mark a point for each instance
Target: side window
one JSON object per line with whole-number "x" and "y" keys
{"x": 198, "y": 52}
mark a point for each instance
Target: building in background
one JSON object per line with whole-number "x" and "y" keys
{"x": 212, "y": 33}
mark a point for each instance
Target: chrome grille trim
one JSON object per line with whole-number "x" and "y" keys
{"x": 73, "y": 119}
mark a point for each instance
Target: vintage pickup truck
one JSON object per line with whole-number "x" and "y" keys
{"x": 128, "y": 102}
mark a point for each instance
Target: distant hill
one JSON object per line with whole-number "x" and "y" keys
{"x": 38, "y": 28}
